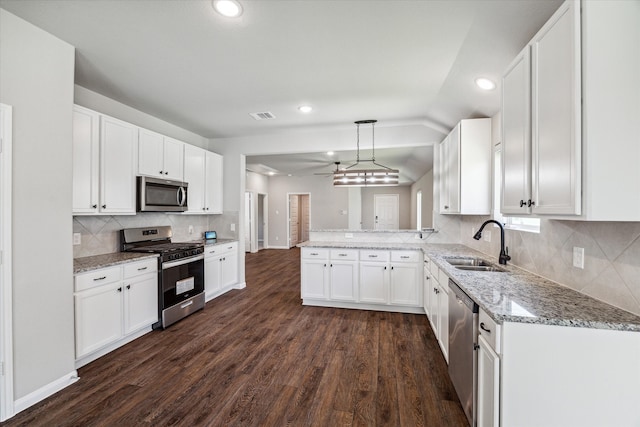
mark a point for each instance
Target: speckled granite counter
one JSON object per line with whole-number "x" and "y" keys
{"x": 84, "y": 264}
{"x": 514, "y": 295}
{"x": 217, "y": 242}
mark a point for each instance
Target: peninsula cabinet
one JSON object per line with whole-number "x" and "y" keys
{"x": 113, "y": 306}
{"x": 569, "y": 116}
{"x": 104, "y": 164}
{"x": 203, "y": 171}
{"x": 366, "y": 279}
{"x": 160, "y": 156}
{"x": 465, "y": 169}
{"x": 439, "y": 308}
{"x": 220, "y": 269}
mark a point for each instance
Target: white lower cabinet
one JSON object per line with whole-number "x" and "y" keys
{"x": 220, "y": 269}
{"x": 488, "y": 397}
{"x": 371, "y": 279}
{"x": 439, "y": 308}
{"x": 113, "y": 306}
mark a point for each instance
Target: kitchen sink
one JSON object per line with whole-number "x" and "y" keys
{"x": 479, "y": 268}
{"x": 473, "y": 264}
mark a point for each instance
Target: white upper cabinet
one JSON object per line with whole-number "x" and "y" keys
{"x": 118, "y": 158}
{"x": 160, "y": 156}
{"x": 579, "y": 109}
{"x": 465, "y": 169}
{"x": 86, "y": 160}
{"x": 203, "y": 173}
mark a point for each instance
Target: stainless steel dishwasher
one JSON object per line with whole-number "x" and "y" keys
{"x": 463, "y": 333}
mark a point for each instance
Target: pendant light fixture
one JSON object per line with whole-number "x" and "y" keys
{"x": 378, "y": 176}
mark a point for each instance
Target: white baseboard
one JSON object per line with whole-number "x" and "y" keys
{"x": 277, "y": 247}
{"x": 362, "y": 306}
{"x": 45, "y": 391}
{"x": 240, "y": 285}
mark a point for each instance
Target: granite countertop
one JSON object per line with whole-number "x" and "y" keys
{"x": 215, "y": 242}
{"x": 368, "y": 230}
{"x": 84, "y": 264}
{"x": 515, "y": 295}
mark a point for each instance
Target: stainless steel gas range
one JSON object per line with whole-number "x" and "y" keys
{"x": 180, "y": 271}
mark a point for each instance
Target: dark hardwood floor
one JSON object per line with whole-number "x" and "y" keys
{"x": 257, "y": 357}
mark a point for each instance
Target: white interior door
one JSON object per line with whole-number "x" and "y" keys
{"x": 386, "y": 211}
{"x": 262, "y": 220}
{"x": 249, "y": 226}
{"x": 294, "y": 220}
{"x": 6, "y": 334}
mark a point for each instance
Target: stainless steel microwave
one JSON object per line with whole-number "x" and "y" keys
{"x": 161, "y": 195}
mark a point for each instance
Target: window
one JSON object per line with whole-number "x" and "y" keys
{"x": 419, "y": 210}
{"x": 510, "y": 222}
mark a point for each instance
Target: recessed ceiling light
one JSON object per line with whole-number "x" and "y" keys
{"x": 485, "y": 84}
{"x": 330, "y": 153}
{"x": 228, "y": 8}
{"x": 305, "y": 108}
{"x": 272, "y": 173}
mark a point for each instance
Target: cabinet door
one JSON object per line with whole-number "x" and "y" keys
{"x": 516, "y": 136}
{"x": 443, "y": 320}
{"x": 556, "y": 114}
{"x": 405, "y": 284}
{"x": 173, "y": 156}
{"x": 98, "y": 317}
{"x": 150, "y": 154}
{"x": 374, "y": 282}
{"x": 213, "y": 185}
{"x": 434, "y": 304}
{"x": 194, "y": 164}
{"x": 212, "y": 275}
{"x": 230, "y": 268}
{"x": 443, "y": 176}
{"x": 488, "y": 385}
{"x": 314, "y": 278}
{"x": 140, "y": 302}
{"x": 453, "y": 170}
{"x": 426, "y": 290}
{"x": 86, "y": 160}
{"x": 343, "y": 281}
{"x": 118, "y": 153}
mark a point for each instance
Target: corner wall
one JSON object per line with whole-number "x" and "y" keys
{"x": 36, "y": 78}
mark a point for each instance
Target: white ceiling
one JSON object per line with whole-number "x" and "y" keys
{"x": 394, "y": 61}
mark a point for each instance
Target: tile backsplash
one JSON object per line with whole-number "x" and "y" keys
{"x": 611, "y": 253}
{"x": 101, "y": 234}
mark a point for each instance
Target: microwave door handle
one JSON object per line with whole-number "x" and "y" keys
{"x": 181, "y": 196}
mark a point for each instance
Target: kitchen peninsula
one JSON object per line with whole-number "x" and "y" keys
{"x": 557, "y": 357}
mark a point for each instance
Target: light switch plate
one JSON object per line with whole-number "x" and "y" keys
{"x": 578, "y": 257}
{"x": 77, "y": 238}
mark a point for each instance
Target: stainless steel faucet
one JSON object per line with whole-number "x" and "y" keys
{"x": 504, "y": 253}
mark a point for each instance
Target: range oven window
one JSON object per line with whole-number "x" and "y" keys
{"x": 181, "y": 282}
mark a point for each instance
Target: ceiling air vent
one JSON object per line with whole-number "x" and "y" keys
{"x": 263, "y": 116}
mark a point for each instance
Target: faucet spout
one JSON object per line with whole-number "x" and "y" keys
{"x": 504, "y": 253}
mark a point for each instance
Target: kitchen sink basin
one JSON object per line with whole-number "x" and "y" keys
{"x": 473, "y": 264}
{"x": 479, "y": 268}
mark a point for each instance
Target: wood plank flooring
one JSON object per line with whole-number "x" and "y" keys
{"x": 257, "y": 357}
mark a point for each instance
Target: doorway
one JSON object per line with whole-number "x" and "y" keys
{"x": 6, "y": 300}
{"x": 255, "y": 221}
{"x": 386, "y": 211}
{"x": 299, "y": 217}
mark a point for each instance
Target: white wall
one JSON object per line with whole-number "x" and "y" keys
{"x": 404, "y": 204}
{"x": 424, "y": 184}
{"x": 257, "y": 183}
{"x": 327, "y": 205}
{"x": 36, "y": 78}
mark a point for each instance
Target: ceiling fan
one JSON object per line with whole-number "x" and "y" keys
{"x": 332, "y": 172}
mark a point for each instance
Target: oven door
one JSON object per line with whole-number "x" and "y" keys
{"x": 182, "y": 279}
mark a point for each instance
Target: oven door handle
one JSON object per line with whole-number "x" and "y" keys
{"x": 183, "y": 261}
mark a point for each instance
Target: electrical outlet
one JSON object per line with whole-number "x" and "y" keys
{"x": 77, "y": 238}
{"x": 233, "y": 227}
{"x": 487, "y": 236}
{"x": 578, "y": 257}
{"x": 191, "y": 229}
{"x": 277, "y": 238}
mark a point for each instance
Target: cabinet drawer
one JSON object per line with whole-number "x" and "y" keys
{"x": 137, "y": 268}
{"x": 443, "y": 278}
{"x": 315, "y": 253}
{"x": 97, "y": 278}
{"x": 434, "y": 269}
{"x": 490, "y": 330}
{"x": 216, "y": 250}
{"x": 405, "y": 256}
{"x": 370, "y": 255}
{"x": 344, "y": 254}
